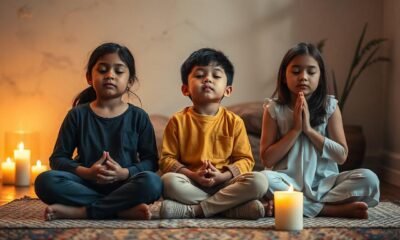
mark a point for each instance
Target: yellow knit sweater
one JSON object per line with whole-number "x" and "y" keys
{"x": 191, "y": 138}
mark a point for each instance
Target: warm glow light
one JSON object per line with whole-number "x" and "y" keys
{"x": 22, "y": 166}
{"x": 21, "y": 146}
{"x": 30, "y": 140}
{"x": 288, "y": 209}
{"x": 8, "y": 170}
{"x": 37, "y": 169}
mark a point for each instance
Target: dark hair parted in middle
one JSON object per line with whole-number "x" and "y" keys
{"x": 204, "y": 57}
{"x": 126, "y": 56}
{"x": 317, "y": 101}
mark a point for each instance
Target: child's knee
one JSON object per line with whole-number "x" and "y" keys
{"x": 366, "y": 177}
{"x": 257, "y": 184}
{"x": 151, "y": 182}
{"x": 171, "y": 183}
{"x": 45, "y": 179}
{"x": 45, "y": 184}
{"x": 275, "y": 181}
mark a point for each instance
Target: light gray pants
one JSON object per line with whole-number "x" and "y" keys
{"x": 355, "y": 185}
{"x": 239, "y": 190}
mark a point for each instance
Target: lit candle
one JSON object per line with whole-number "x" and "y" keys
{"x": 37, "y": 169}
{"x": 8, "y": 170}
{"x": 288, "y": 210}
{"x": 23, "y": 166}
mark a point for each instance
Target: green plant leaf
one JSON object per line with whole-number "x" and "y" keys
{"x": 335, "y": 88}
{"x": 365, "y": 64}
{"x": 379, "y": 59}
{"x": 356, "y": 60}
{"x": 368, "y": 62}
{"x": 367, "y": 52}
{"x": 320, "y": 45}
{"x": 371, "y": 44}
{"x": 357, "y": 54}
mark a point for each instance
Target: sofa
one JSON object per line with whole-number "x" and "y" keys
{"x": 251, "y": 113}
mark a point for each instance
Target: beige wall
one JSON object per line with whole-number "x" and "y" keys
{"x": 391, "y": 164}
{"x": 45, "y": 45}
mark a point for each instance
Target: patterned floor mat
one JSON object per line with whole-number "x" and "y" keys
{"x": 28, "y": 213}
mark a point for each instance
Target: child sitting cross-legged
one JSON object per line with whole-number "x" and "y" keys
{"x": 206, "y": 156}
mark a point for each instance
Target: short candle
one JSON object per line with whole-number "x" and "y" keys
{"x": 37, "y": 169}
{"x": 8, "y": 170}
{"x": 288, "y": 210}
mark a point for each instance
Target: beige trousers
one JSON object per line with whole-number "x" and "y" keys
{"x": 239, "y": 190}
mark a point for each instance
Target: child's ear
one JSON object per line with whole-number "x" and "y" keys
{"x": 130, "y": 83}
{"x": 89, "y": 79}
{"x": 185, "y": 90}
{"x": 228, "y": 91}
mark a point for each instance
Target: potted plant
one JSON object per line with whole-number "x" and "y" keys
{"x": 364, "y": 57}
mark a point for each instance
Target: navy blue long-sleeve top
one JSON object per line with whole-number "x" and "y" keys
{"x": 129, "y": 138}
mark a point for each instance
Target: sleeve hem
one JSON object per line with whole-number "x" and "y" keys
{"x": 176, "y": 167}
{"x": 234, "y": 170}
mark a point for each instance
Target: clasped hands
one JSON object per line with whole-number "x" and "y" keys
{"x": 208, "y": 175}
{"x": 106, "y": 170}
{"x": 301, "y": 114}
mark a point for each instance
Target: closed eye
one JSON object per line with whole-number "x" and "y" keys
{"x": 217, "y": 76}
{"x": 199, "y": 75}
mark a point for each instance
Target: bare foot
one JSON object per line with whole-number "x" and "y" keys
{"x": 348, "y": 210}
{"x": 268, "y": 206}
{"x": 138, "y": 212}
{"x": 59, "y": 211}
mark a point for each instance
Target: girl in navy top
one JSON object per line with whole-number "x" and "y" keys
{"x": 112, "y": 174}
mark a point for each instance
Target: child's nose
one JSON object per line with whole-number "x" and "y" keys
{"x": 109, "y": 74}
{"x": 303, "y": 75}
{"x": 208, "y": 78}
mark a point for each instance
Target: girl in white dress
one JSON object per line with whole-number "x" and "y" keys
{"x": 303, "y": 142}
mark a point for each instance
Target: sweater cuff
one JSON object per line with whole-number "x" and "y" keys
{"x": 175, "y": 168}
{"x": 234, "y": 170}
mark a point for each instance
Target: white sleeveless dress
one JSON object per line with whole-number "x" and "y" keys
{"x": 316, "y": 173}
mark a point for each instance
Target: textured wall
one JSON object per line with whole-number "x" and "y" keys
{"x": 45, "y": 45}
{"x": 391, "y": 163}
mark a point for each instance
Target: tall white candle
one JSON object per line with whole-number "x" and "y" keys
{"x": 288, "y": 210}
{"x": 23, "y": 166}
{"x": 8, "y": 170}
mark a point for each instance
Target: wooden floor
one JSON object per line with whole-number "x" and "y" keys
{"x": 8, "y": 193}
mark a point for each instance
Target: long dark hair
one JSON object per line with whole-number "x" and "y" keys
{"x": 89, "y": 95}
{"x": 317, "y": 101}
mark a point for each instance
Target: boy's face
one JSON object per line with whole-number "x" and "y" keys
{"x": 207, "y": 84}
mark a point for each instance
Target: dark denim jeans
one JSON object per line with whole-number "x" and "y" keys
{"x": 101, "y": 201}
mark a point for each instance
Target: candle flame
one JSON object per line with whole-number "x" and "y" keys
{"x": 38, "y": 163}
{"x": 8, "y": 160}
{"x": 290, "y": 188}
{"x": 21, "y": 146}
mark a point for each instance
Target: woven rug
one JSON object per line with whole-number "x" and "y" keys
{"x": 199, "y": 234}
{"x": 28, "y": 213}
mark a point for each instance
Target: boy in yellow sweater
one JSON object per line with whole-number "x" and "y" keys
{"x": 206, "y": 156}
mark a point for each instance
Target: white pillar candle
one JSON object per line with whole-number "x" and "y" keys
{"x": 288, "y": 210}
{"x": 23, "y": 166}
{"x": 37, "y": 169}
{"x": 8, "y": 170}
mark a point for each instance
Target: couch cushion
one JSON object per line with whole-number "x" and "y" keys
{"x": 252, "y": 114}
{"x": 159, "y": 122}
